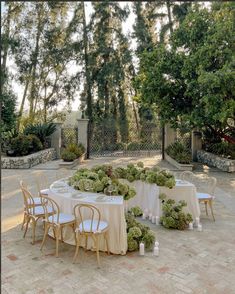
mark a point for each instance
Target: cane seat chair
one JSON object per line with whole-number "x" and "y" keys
{"x": 57, "y": 221}
{"x": 33, "y": 210}
{"x": 92, "y": 227}
{"x": 205, "y": 194}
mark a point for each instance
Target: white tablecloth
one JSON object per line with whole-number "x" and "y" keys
{"x": 147, "y": 196}
{"x": 111, "y": 209}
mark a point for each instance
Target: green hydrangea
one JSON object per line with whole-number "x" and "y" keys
{"x": 84, "y": 183}
{"x": 140, "y": 164}
{"x": 130, "y": 178}
{"x": 136, "y": 210}
{"x": 134, "y": 232}
{"x": 98, "y": 186}
{"x": 149, "y": 239}
{"x": 132, "y": 245}
{"x": 131, "y": 193}
{"x": 170, "y": 183}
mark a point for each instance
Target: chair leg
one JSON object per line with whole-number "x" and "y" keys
{"x": 57, "y": 241}
{"x": 210, "y": 203}
{"x": 33, "y": 230}
{"x": 45, "y": 235}
{"x": 77, "y": 248}
{"x": 23, "y": 222}
{"x": 86, "y": 238}
{"x": 62, "y": 240}
{"x": 107, "y": 244}
{"x": 206, "y": 207}
{"x": 27, "y": 225}
{"x": 97, "y": 250}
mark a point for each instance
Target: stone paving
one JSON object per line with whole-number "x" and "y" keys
{"x": 189, "y": 261}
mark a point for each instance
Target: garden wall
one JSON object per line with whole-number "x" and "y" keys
{"x": 28, "y": 160}
{"x": 211, "y": 159}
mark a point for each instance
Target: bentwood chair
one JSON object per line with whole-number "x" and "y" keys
{"x": 187, "y": 176}
{"x": 33, "y": 210}
{"x": 57, "y": 221}
{"x": 41, "y": 183}
{"x": 89, "y": 227}
{"x": 205, "y": 194}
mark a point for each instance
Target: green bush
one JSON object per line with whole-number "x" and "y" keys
{"x": 179, "y": 153}
{"x": 223, "y": 149}
{"x": 137, "y": 232}
{"x": 173, "y": 216}
{"x": 41, "y": 130}
{"x": 78, "y": 150}
{"x": 133, "y": 146}
{"x": 36, "y": 144}
{"x": 21, "y": 145}
{"x": 68, "y": 156}
{"x": 136, "y": 210}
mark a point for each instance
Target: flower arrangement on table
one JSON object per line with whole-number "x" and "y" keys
{"x": 105, "y": 179}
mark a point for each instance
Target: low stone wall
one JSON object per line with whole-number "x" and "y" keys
{"x": 28, "y": 160}
{"x": 180, "y": 166}
{"x": 211, "y": 159}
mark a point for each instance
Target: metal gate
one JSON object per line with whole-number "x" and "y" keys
{"x": 69, "y": 135}
{"x": 112, "y": 138}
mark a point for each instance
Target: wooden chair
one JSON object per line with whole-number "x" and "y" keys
{"x": 42, "y": 183}
{"x": 33, "y": 210}
{"x": 57, "y": 221}
{"x": 90, "y": 227}
{"x": 205, "y": 194}
{"x": 187, "y": 176}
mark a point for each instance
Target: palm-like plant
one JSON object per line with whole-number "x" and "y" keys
{"x": 41, "y": 130}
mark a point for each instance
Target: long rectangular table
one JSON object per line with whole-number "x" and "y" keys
{"x": 111, "y": 208}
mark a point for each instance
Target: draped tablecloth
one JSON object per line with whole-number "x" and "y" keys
{"x": 111, "y": 209}
{"x": 147, "y": 196}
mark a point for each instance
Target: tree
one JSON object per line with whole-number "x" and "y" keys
{"x": 192, "y": 82}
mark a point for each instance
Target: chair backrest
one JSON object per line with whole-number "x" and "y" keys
{"x": 87, "y": 212}
{"x": 187, "y": 176}
{"x": 29, "y": 203}
{"x": 206, "y": 185}
{"x": 41, "y": 181}
{"x": 49, "y": 205}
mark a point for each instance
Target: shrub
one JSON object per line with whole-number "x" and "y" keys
{"x": 133, "y": 146}
{"x": 68, "y": 156}
{"x": 223, "y": 149}
{"x": 22, "y": 145}
{"x": 137, "y": 211}
{"x": 137, "y": 232}
{"x": 173, "y": 217}
{"x": 41, "y": 130}
{"x": 76, "y": 149}
{"x": 179, "y": 152}
{"x": 36, "y": 144}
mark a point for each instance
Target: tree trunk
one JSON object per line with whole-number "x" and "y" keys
{"x": 87, "y": 69}
{"x": 169, "y": 16}
{"x": 34, "y": 64}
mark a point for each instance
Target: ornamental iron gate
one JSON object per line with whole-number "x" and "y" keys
{"x": 112, "y": 138}
{"x": 69, "y": 135}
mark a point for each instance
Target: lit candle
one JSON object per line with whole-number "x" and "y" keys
{"x": 197, "y": 221}
{"x": 157, "y": 220}
{"x": 141, "y": 248}
{"x": 144, "y": 216}
{"x": 199, "y": 227}
{"x": 153, "y": 219}
{"x": 190, "y": 226}
{"x": 156, "y": 244}
{"x": 156, "y": 251}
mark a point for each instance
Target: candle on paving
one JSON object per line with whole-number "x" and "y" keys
{"x": 199, "y": 227}
{"x": 190, "y": 226}
{"x": 141, "y": 248}
{"x": 153, "y": 219}
{"x": 156, "y": 251}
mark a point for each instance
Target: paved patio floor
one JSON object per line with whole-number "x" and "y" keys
{"x": 189, "y": 261}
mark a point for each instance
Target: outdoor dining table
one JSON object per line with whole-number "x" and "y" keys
{"x": 112, "y": 210}
{"x": 147, "y": 197}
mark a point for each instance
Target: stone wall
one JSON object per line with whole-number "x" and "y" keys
{"x": 224, "y": 164}
{"x": 28, "y": 160}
